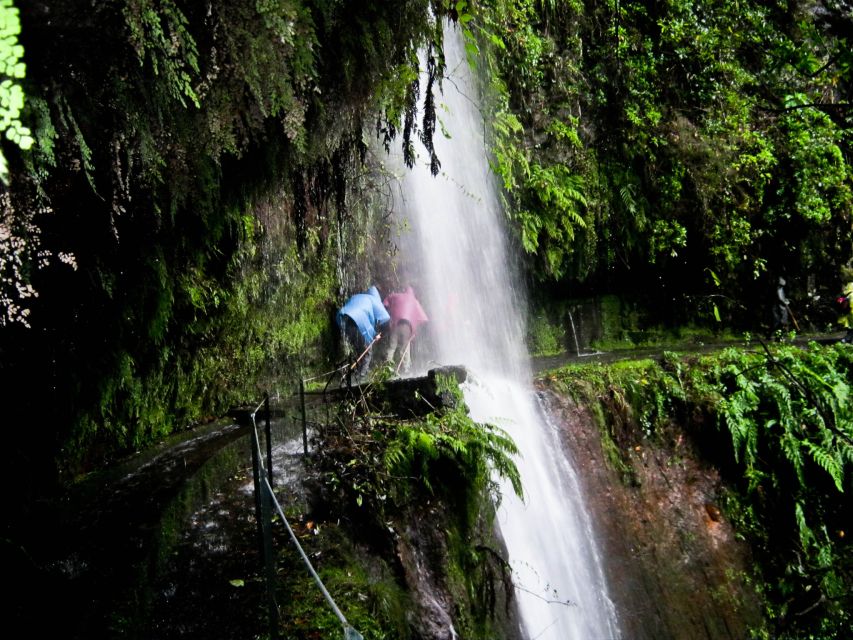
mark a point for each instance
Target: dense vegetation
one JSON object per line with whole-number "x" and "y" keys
{"x": 677, "y": 148}
{"x": 170, "y": 206}
{"x": 778, "y": 423}
{"x": 409, "y": 497}
{"x": 190, "y": 189}
{"x": 195, "y": 201}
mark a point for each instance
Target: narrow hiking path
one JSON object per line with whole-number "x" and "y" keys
{"x": 541, "y": 364}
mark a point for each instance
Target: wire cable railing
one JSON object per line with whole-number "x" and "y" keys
{"x": 265, "y": 501}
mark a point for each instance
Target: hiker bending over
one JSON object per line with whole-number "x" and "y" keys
{"x": 360, "y": 321}
{"x": 407, "y": 315}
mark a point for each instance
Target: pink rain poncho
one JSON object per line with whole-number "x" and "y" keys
{"x": 405, "y": 307}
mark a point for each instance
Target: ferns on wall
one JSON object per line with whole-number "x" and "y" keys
{"x": 778, "y": 421}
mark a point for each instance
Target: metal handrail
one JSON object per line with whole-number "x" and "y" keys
{"x": 260, "y": 473}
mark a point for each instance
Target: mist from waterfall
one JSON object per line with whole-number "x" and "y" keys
{"x": 454, "y": 252}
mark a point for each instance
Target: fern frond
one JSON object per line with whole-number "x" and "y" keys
{"x": 846, "y": 452}
{"x": 792, "y": 449}
{"x": 807, "y": 538}
{"x": 626, "y": 194}
{"x": 829, "y": 462}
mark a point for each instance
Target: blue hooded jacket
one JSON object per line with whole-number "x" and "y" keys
{"x": 367, "y": 311}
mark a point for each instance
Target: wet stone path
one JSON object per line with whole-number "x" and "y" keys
{"x": 163, "y": 545}
{"x": 213, "y": 584}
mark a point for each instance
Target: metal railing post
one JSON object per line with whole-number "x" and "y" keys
{"x": 304, "y": 418}
{"x": 268, "y": 432}
{"x": 263, "y": 515}
{"x": 256, "y": 473}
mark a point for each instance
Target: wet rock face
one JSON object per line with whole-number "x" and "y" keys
{"x": 410, "y": 397}
{"x": 442, "y": 608}
{"x": 675, "y": 569}
{"x": 419, "y": 396}
{"x": 417, "y": 549}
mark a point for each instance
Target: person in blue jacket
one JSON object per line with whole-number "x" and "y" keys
{"x": 361, "y": 320}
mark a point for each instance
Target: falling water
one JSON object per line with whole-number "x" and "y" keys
{"x": 575, "y": 335}
{"x": 454, "y": 245}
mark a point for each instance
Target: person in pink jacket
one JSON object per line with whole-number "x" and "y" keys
{"x": 407, "y": 315}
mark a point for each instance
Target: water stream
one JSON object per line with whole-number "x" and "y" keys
{"x": 453, "y": 241}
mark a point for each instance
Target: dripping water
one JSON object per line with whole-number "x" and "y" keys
{"x": 575, "y": 335}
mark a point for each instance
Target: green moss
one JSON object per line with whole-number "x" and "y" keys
{"x": 778, "y": 424}
{"x": 544, "y": 337}
{"x": 191, "y": 203}
{"x": 381, "y": 474}
{"x": 364, "y": 587}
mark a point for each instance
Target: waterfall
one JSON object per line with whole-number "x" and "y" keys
{"x": 455, "y": 252}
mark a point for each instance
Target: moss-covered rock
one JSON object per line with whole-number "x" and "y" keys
{"x": 749, "y": 444}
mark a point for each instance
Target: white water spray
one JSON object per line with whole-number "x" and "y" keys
{"x": 456, "y": 249}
